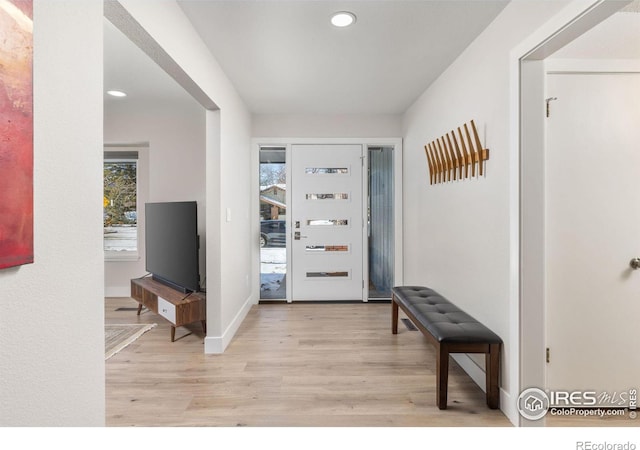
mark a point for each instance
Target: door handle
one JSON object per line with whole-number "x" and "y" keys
{"x": 296, "y": 236}
{"x": 635, "y": 263}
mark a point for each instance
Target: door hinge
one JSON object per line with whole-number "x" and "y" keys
{"x": 547, "y": 101}
{"x": 548, "y": 355}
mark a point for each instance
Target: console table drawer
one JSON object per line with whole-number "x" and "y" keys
{"x": 167, "y": 310}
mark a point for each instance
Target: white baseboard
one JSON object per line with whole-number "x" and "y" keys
{"x": 218, "y": 344}
{"x": 508, "y": 407}
{"x": 478, "y": 375}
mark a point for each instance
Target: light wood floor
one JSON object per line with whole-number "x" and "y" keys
{"x": 293, "y": 365}
{"x": 288, "y": 365}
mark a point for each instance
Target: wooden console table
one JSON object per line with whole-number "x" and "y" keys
{"x": 178, "y": 308}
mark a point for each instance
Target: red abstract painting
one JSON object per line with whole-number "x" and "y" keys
{"x": 16, "y": 132}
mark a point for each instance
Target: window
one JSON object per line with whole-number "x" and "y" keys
{"x": 342, "y": 274}
{"x": 120, "y": 205}
{"x": 326, "y": 248}
{"x": 341, "y": 196}
{"x": 328, "y": 222}
{"x": 273, "y": 228}
{"x": 326, "y": 170}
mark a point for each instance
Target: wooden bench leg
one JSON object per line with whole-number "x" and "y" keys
{"x": 442, "y": 375}
{"x": 493, "y": 369}
{"x": 394, "y": 316}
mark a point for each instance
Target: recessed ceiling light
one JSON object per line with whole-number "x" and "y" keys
{"x": 343, "y": 19}
{"x": 115, "y": 93}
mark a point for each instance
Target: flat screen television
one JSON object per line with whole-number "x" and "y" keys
{"x": 172, "y": 244}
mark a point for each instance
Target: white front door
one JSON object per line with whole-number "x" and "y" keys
{"x": 592, "y": 232}
{"x": 327, "y": 222}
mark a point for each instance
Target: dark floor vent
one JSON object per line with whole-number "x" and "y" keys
{"x": 410, "y": 326}
{"x": 127, "y": 309}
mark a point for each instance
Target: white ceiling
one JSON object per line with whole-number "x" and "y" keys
{"x": 284, "y": 57}
{"x": 129, "y": 69}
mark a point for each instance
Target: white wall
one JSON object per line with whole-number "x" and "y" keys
{"x": 457, "y": 235}
{"x": 228, "y": 169}
{"x": 52, "y": 324}
{"x": 175, "y": 171}
{"x": 326, "y": 126}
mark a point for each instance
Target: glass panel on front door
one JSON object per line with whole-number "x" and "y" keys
{"x": 326, "y": 248}
{"x": 341, "y": 196}
{"x": 326, "y": 171}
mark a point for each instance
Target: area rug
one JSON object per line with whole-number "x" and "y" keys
{"x": 118, "y": 336}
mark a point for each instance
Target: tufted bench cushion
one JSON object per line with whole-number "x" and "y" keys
{"x": 444, "y": 320}
{"x": 451, "y": 330}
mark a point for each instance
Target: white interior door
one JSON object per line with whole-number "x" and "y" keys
{"x": 593, "y": 231}
{"x": 326, "y": 222}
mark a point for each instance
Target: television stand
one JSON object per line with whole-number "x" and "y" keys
{"x": 178, "y": 308}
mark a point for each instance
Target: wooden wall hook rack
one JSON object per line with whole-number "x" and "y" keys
{"x": 452, "y": 157}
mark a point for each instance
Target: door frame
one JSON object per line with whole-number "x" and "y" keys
{"x": 528, "y": 80}
{"x": 287, "y": 143}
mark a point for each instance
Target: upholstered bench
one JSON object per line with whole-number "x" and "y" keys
{"x": 451, "y": 330}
